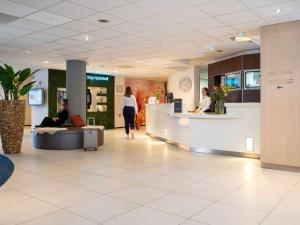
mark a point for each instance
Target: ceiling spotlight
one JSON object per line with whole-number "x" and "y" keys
{"x": 46, "y": 62}
{"x": 103, "y": 21}
{"x": 115, "y": 71}
{"x": 28, "y": 52}
{"x": 278, "y": 10}
{"x": 240, "y": 37}
{"x": 87, "y": 38}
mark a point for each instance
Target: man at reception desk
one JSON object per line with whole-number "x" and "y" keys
{"x": 205, "y": 102}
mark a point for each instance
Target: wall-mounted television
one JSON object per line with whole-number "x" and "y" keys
{"x": 234, "y": 80}
{"x": 36, "y": 96}
{"x": 252, "y": 79}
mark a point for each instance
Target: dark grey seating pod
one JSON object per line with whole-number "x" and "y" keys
{"x": 62, "y": 140}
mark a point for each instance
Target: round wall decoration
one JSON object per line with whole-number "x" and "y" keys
{"x": 185, "y": 84}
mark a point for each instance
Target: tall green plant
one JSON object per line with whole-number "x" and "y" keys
{"x": 13, "y": 82}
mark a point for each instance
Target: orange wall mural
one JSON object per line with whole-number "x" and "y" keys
{"x": 142, "y": 90}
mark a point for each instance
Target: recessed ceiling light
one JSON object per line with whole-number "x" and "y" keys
{"x": 28, "y": 52}
{"x": 87, "y": 38}
{"x": 115, "y": 71}
{"x": 46, "y": 62}
{"x": 103, "y": 21}
{"x": 278, "y": 10}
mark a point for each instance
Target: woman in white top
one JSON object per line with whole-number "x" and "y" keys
{"x": 205, "y": 102}
{"x": 129, "y": 108}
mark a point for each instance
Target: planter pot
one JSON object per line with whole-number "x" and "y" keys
{"x": 220, "y": 107}
{"x": 12, "y": 117}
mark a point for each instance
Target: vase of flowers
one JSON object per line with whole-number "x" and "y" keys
{"x": 218, "y": 96}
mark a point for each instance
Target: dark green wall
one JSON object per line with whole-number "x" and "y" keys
{"x": 56, "y": 79}
{"x": 104, "y": 118}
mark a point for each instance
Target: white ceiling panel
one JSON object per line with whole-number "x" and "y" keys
{"x": 43, "y": 36}
{"x": 14, "y": 9}
{"x": 217, "y": 32}
{"x": 286, "y": 8}
{"x": 160, "y": 6}
{"x": 79, "y": 26}
{"x": 68, "y": 42}
{"x": 197, "y": 2}
{"x": 129, "y": 28}
{"x": 29, "y": 24}
{"x": 204, "y": 24}
{"x": 61, "y": 32}
{"x": 70, "y": 10}
{"x": 187, "y": 14}
{"x": 130, "y": 12}
{"x": 48, "y": 18}
{"x": 156, "y": 21}
{"x": 243, "y": 27}
{"x": 282, "y": 19}
{"x": 222, "y": 7}
{"x": 101, "y": 5}
{"x": 259, "y": 3}
{"x": 39, "y": 4}
{"x": 106, "y": 33}
{"x": 243, "y": 17}
{"x": 14, "y": 30}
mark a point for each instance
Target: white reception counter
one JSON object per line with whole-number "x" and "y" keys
{"x": 236, "y": 133}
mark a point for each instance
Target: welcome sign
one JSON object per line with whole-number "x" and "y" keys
{"x": 97, "y": 77}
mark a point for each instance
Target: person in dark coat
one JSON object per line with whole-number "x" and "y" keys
{"x": 62, "y": 116}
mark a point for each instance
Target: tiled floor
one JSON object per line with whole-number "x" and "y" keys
{"x": 145, "y": 182}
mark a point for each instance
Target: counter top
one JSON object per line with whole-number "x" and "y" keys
{"x": 204, "y": 116}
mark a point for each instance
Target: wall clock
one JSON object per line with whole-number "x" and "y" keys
{"x": 185, "y": 84}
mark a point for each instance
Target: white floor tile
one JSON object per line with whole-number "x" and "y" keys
{"x": 252, "y": 200}
{"x": 139, "y": 194}
{"x": 68, "y": 197}
{"x": 60, "y": 217}
{"x": 145, "y": 216}
{"x": 24, "y": 210}
{"x": 288, "y": 208}
{"x": 106, "y": 185}
{"x": 221, "y": 214}
{"x": 179, "y": 204}
{"x": 102, "y": 208}
{"x": 206, "y": 191}
{"x": 79, "y": 178}
{"x": 279, "y": 220}
{"x": 9, "y": 195}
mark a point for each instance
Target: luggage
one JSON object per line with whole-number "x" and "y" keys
{"x": 90, "y": 139}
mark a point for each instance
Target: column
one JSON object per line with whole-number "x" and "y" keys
{"x": 76, "y": 87}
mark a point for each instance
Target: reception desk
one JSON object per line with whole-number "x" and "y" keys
{"x": 235, "y": 133}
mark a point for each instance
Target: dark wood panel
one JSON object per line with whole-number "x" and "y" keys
{"x": 251, "y": 96}
{"x": 235, "y": 96}
{"x": 251, "y": 61}
{"x": 225, "y": 66}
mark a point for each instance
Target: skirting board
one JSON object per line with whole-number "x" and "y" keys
{"x": 280, "y": 167}
{"x": 208, "y": 151}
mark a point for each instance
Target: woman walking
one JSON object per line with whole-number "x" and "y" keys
{"x": 129, "y": 108}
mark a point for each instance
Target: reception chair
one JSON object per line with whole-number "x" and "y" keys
{"x": 6, "y": 169}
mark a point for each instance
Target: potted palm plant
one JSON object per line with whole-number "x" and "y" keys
{"x": 218, "y": 95}
{"x": 12, "y": 109}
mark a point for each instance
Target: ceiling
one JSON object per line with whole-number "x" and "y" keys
{"x": 142, "y": 38}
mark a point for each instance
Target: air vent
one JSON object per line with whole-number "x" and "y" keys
{"x": 4, "y": 18}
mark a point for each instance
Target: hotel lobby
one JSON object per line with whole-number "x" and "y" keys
{"x": 214, "y": 133}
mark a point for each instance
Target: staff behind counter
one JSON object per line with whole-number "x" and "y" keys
{"x": 205, "y": 102}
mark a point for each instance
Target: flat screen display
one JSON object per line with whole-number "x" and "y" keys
{"x": 36, "y": 96}
{"x": 234, "y": 80}
{"x": 252, "y": 79}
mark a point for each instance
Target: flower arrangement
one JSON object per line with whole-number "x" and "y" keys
{"x": 218, "y": 96}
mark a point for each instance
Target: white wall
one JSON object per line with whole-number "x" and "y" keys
{"x": 1, "y": 93}
{"x": 119, "y": 121}
{"x": 39, "y": 112}
{"x": 191, "y": 98}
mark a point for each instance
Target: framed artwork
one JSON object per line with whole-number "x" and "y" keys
{"x": 60, "y": 95}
